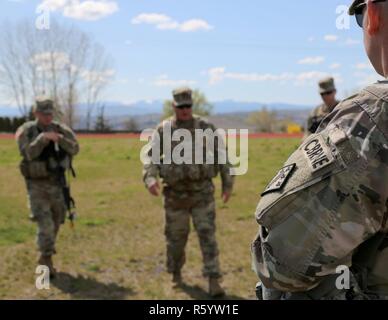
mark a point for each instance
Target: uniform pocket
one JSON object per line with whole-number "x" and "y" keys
{"x": 34, "y": 170}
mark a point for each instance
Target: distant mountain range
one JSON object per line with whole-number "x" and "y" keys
{"x": 226, "y": 113}
{"x": 114, "y": 109}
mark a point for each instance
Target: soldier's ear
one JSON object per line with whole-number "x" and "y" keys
{"x": 374, "y": 18}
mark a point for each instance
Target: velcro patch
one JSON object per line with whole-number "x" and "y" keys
{"x": 317, "y": 153}
{"x": 280, "y": 179}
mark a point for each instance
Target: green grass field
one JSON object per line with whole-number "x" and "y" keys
{"x": 117, "y": 250}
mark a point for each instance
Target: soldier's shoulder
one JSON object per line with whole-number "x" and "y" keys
{"x": 62, "y": 126}
{"x": 29, "y": 124}
{"x": 164, "y": 122}
{"x": 317, "y": 110}
{"x": 371, "y": 101}
{"x": 203, "y": 122}
{"x": 25, "y": 128}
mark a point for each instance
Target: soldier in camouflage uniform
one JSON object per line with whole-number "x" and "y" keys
{"x": 188, "y": 191}
{"x": 328, "y": 92}
{"x": 47, "y": 148}
{"x": 327, "y": 207}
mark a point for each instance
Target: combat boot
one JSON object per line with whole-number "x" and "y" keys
{"x": 177, "y": 278}
{"x": 48, "y": 262}
{"x": 215, "y": 289}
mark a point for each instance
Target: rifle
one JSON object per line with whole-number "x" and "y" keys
{"x": 69, "y": 200}
{"x": 60, "y": 172}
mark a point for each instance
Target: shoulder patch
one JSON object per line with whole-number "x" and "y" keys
{"x": 317, "y": 153}
{"x": 280, "y": 179}
{"x": 19, "y": 132}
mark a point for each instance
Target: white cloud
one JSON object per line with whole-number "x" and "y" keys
{"x": 311, "y": 60}
{"x": 164, "y": 22}
{"x": 331, "y": 37}
{"x": 165, "y": 81}
{"x": 335, "y": 66}
{"x": 54, "y": 5}
{"x": 151, "y": 18}
{"x": 219, "y": 74}
{"x": 194, "y": 24}
{"x": 82, "y": 10}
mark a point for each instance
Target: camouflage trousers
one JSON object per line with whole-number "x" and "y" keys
{"x": 48, "y": 210}
{"x": 178, "y": 210}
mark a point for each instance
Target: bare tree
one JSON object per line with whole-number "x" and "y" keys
{"x": 102, "y": 124}
{"x": 96, "y": 81}
{"x": 62, "y": 62}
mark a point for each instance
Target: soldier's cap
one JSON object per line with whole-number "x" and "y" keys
{"x": 352, "y": 9}
{"x": 183, "y": 96}
{"x": 326, "y": 85}
{"x": 44, "y": 105}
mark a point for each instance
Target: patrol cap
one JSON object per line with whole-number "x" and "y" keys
{"x": 326, "y": 85}
{"x": 352, "y": 9}
{"x": 182, "y": 96}
{"x": 44, "y": 105}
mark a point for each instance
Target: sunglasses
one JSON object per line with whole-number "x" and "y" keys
{"x": 186, "y": 106}
{"x": 360, "y": 11}
{"x": 326, "y": 93}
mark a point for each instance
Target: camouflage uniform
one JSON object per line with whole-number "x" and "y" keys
{"x": 316, "y": 117}
{"x": 46, "y": 199}
{"x": 188, "y": 191}
{"x": 328, "y": 207}
{"x": 320, "y": 112}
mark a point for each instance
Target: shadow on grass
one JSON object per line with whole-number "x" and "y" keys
{"x": 197, "y": 293}
{"x": 81, "y": 287}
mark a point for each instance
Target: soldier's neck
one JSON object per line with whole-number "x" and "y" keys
{"x": 184, "y": 123}
{"x": 332, "y": 105}
{"x": 43, "y": 127}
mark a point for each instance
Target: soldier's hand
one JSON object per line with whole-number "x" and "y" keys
{"x": 52, "y": 136}
{"x": 154, "y": 189}
{"x": 226, "y": 196}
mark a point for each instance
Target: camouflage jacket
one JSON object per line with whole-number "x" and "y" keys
{"x": 187, "y": 176}
{"x": 316, "y": 117}
{"x": 33, "y": 147}
{"x": 328, "y": 199}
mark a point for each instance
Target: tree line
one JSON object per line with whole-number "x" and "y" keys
{"x": 8, "y": 124}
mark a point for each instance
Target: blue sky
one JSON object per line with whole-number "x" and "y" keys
{"x": 249, "y": 50}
